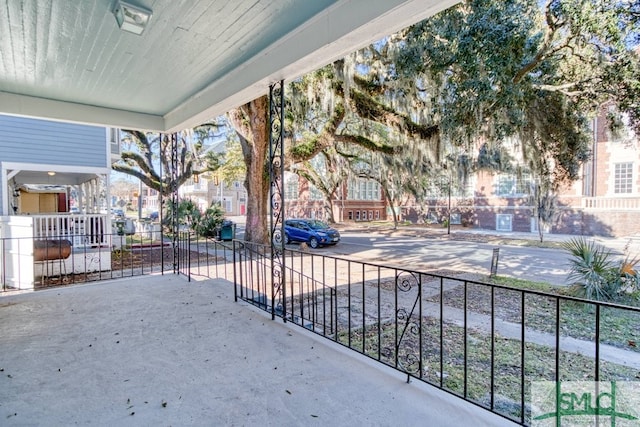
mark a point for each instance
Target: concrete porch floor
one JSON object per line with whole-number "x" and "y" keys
{"x": 161, "y": 351}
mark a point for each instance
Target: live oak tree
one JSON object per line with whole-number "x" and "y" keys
{"x": 326, "y": 172}
{"x": 333, "y": 117}
{"x": 492, "y": 70}
{"x": 461, "y": 86}
{"x": 149, "y": 157}
{"x": 251, "y": 123}
{"x": 537, "y": 78}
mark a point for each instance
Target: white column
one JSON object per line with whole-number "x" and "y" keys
{"x": 82, "y": 201}
{"x": 4, "y": 190}
{"x": 108, "y": 203}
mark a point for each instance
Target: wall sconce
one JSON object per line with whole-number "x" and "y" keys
{"x": 51, "y": 173}
{"x": 16, "y": 192}
{"x": 133, "y": 19}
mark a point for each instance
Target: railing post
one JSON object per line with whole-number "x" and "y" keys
{"x": 235, "y": 281}
{"x": 276, "y": 176}
{"x": 189, "y": 256}
{"x": 173, "y": 179}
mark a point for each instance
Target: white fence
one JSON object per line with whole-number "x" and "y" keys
{"x": 20, "y": 264}
{"x": 81, "y": 230}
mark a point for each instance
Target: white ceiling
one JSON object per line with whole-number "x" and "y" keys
{"x": 68, "y": 60}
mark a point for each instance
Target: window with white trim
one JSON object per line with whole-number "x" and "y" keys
{"x": 363, "y": 189}
{"x": 513, "y": 185}
{"x": 504, "y": 222}
{"x": 623, "y": 178}
{"x": 291, "y": 188}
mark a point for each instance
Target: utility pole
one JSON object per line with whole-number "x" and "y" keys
{"x": 139, "y": 200}
{"x": 448, "y": 181}
{"x": 449, "y": 209}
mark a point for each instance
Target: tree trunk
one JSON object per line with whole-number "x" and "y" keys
{"x": 251, "y": 122}
{"x": 328, "y": 208}
{"x": 392, "y": 206}
{"x": 540, "y": 231}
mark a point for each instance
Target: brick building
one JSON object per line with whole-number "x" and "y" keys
{"x": 357, "y": 199}
{"x": 605, "y": 201}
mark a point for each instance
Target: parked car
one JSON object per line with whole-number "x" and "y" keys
{"x": 311, "y": 231}
{"x": 118, "y": 213}
{"x": 153, "y": 216}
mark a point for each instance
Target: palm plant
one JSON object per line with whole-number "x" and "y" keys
{"x": 210, "y": 221}
{"x": 593, "y": 272}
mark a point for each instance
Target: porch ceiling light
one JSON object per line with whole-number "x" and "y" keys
{"x": 133, "y": 19}
{"x": 51, "y": 173}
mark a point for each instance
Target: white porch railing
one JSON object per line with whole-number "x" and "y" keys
{"x": 81, "y": 230}
{"x": 611, "y": 203}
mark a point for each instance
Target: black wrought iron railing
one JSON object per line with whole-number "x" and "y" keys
{"x": 205, "y": 257}
{"x": 31, "y": 263}
{"x": 482, "y": 342}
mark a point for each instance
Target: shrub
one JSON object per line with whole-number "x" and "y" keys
{"x": 188, "y": 214}
{"x": 596, "y": 275}
{"x": 210, "y": 221}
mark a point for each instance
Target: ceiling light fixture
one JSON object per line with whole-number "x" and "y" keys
{"x": 133, "y": 19}
{"x": 51, "y": 173}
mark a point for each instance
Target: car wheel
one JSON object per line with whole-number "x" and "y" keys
{"x": 313, "y": 242}
{"x": 286, "y": 239}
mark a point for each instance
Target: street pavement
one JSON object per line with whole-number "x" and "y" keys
{"x": 472, "y": 250}
{"x": 465, "y": 249}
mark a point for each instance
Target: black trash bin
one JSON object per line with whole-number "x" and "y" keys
{"x": 227, "y": 231}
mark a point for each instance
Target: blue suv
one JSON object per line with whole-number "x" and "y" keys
{"x": 315, "y": 233}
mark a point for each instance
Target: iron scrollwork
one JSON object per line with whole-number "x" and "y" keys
{"x": 173, "y": 178}
{"x": 276, "y": 176}
{"x": 408, "y": 325}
